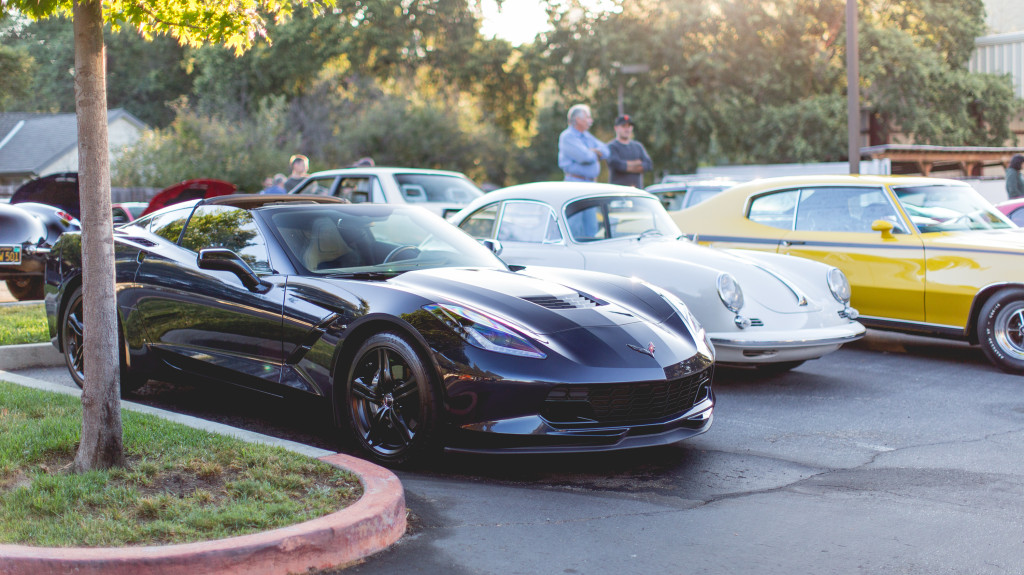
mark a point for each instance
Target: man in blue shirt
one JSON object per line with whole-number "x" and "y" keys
{"x": 579, "y": 152}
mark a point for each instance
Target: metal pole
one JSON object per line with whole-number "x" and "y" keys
{"x": 622, "y": 99}
{"x": 852, "y": 87}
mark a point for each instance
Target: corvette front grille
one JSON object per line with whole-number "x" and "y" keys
{"x": 618, "y": 403}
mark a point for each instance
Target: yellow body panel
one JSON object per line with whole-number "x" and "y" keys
{"x": 930, "y": 278}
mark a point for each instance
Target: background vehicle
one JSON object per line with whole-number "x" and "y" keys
{"x": 441, "y": 192}
{"x": 1013, "y": 209}
{"x": 413, "y": 333}
{"x": 680, "y": 195}
{"x": 27, "y": 231}
{"x": 769, "y": 311}
{"x": 127, "y": 211}
{"x": 924, "y": 255}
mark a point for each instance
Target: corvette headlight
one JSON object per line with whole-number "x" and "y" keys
{"x": 700, "y": 336}
{"x": 484, "y": 332}
{"x": 730, "y": 293}
{"x": 839, "y": 285}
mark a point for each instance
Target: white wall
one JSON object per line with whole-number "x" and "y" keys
{"x": 120, "y": 134}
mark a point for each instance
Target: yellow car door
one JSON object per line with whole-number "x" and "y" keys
{"x": 834, "y": 224}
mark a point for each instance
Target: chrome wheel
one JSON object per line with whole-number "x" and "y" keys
{"x": 1000, "y": 329}
{"x": 1008, "y": 329}
{"x": 389, "y": 399}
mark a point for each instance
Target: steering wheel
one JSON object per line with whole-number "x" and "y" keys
{"x": 394, "y": 253}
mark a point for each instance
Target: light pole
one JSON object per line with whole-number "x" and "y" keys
{"x": 852, "y": 87}
{"x": 627, "y": 69}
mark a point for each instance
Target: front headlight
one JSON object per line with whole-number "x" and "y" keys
{"x": 839, "y": 285}
{"x": 700, "y": 336}
{"x": 730, "y": 293}
{"x": 484, "y": 332}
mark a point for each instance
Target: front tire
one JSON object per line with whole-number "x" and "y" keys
{"x": 28, "y": 288}
{"x": 390, "y": 401}
{"x": 73, "y": 344}
{"x": 1001, "y": 330}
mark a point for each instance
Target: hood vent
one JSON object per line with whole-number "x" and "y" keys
{"x": 575, "y": 301}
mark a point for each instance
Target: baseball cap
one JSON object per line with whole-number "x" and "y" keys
{"x": 298, "y": 157}
{"x": 623, "y": 120}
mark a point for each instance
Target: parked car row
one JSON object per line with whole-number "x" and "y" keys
{"x": 567, "y": 317}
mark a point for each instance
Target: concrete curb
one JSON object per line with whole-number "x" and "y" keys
{"x": 29, "y": 355}
{"x": 370, "y": 525}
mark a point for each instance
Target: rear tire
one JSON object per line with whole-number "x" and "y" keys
{"x": 390, "y": 401}
{"x": 29, "y": 288}
{"x": 1001, "y": 330}
{"x": 73, "y": 344}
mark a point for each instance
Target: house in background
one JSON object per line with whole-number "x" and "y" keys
{"x": 1002, "y": 50}
{"x": 34, "y": 145}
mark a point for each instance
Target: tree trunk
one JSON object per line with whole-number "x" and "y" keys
{"x": 101, "y": 446}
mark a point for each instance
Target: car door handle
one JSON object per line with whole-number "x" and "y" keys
{"x": 787, "y": 243}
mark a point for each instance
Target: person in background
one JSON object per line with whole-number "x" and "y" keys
{"x": 300, "y": 169}
{"x": 276, "y": 185}
{"x": 364, "y": 162}
{"x": 579, "y": 152}
{"x": 1014, "y": 180}
{"x": 627, "y": 158}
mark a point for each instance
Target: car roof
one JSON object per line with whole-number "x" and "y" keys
{"x": 381, "y": 170}
{"x": 252, "y": 201}
{"x": 557, "y": 193}
{"x": 857, "y": 179}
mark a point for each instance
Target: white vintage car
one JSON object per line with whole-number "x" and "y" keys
{"x": 764, "y": 310}
{"x": 439, "y": 191}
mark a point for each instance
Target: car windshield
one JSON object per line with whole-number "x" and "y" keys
{"x": 943, "y": 208}
{"x": 362, "y": 239}
{"x": 608, "y": 217}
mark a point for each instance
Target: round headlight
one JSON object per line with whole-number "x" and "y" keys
{"x": 730, "y": 293}
{"x": 839, "y": 285}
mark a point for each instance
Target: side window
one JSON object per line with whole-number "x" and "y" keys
{"x": 527, "y": 222}
{"x": 168, "y": 225}
{"x": 227, "y": 227}
{"x": 481, "y": 223}
{"x": 316, "y": 187}
{"x": 355, "y": 189}
{"x": 377, "y": 194}
{"x": 587, "y": 220}
{"x": 838, "y": 209}
{"x": 775, "y": 210}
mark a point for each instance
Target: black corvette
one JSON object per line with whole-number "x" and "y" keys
{"x": 416, "y": 336}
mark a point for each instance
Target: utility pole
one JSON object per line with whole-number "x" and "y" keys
{"x": 852, "y": 87}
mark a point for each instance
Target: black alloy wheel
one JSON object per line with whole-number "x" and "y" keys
{"x": 390, "y": 399}
{"x": 73, "y": 343}
{"x": 27, "y": 288}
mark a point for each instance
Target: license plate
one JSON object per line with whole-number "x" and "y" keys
{"x": 10, "y": 255}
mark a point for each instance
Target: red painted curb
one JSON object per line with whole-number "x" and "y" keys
{"x": 369, "y": 525}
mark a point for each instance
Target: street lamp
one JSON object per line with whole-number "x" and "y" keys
{"x": 625, "y": 70}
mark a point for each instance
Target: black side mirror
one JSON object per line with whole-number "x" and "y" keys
{"x": 226, "y": 260}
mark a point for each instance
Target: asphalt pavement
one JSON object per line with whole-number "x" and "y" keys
{"x": 896, "y": 454}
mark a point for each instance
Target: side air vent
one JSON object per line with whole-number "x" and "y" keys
{"x": 754, "y": 322}
{"x": 576, "y": 301}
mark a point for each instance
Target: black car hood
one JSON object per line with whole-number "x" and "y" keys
{"x": 19, "y": 226}
{"x": 536, "y": 302}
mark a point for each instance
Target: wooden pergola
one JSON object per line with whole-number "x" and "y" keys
{"x": 915, "y": 159}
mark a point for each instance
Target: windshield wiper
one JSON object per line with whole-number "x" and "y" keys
{"x": 650, "y": 233}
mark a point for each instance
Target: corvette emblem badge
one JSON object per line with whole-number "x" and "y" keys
{"x": 649, "y": 351}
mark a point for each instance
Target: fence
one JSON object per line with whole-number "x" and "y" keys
{"x": 117, "y": 195}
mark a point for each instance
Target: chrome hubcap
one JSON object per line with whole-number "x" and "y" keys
{"x": 1009, "y": 329}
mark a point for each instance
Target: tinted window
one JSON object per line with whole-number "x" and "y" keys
{"x": 227, "y": 227}
{"x": 480, "y": 224}
{"x": 528, "y": 222}
{"x": 168, "y": 225}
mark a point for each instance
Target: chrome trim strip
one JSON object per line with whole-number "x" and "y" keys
{"x": 787, "y": 344}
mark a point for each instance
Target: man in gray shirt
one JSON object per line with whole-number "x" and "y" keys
{"x": 627, "y": 158}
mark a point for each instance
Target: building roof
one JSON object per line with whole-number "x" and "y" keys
{"x": 924, "y": 159}
{"x": 30, "y": 142}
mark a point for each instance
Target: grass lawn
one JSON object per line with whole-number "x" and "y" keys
{"x": 180, "y": 485}
{"x": 23, "y": 324}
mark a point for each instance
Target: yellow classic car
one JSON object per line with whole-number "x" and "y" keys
{"x": 924, "y": 255}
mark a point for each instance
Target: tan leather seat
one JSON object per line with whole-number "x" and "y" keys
{"x": 325, "y": 247}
